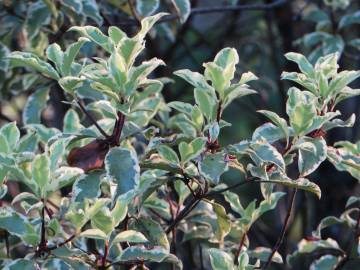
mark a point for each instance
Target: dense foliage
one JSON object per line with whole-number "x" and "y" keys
{"x": 131, "y": 179}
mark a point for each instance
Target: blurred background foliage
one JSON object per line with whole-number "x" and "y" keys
{"x": 192, "y": 33}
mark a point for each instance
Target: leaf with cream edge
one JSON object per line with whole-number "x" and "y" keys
{"x": 121, "y": 165}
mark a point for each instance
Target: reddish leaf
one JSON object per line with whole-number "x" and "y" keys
{"x": 89, "y": 157}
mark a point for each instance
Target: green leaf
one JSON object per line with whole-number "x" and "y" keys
{"x": 278, "y": 121}
{"x": 247, "y": 77}
{"x": 41, "y": 171}
{"x": 182, "y": 107}
{"x": 216, "y": 75}
{"x": 206, "y": 103}
{"x": 94, "y": 34}
{"x": 325, "y": 262}
{"x": 194, "y": 78}
{"x": 213, "y": 166}
{"x": 156, "y": 254}
{"x": 349, "y": 20}
{"x": 301, "y": 110}
{"x": 152, "y": 230}
{"x": 62, "y": 177}
{"x": 19, "y": 225}
{"x": 11, "y": 133}
{"x": 35, "y": 104}
{"x": 191, "y": 150}
{"x": 71, "y": 122}
{"x": 146, "y": 8}
{"x": 236, "y": 91}
{"x": 94, "y": 234}
{"x": 303, "y": 63}
{"x": 220, "y": 260}
{"x": 130, "y": 236}
{"x": 312, "y": 152}
{"x": 227, "y": 59}
{"x": 265, "y": 152}
{"x": 168, "y": 154}
{"x": 122, "y": 166}
{"x": 147, "y": 23}
{"x": 70, "y": 84}
{"x": 24, "y": 59}
{"x": 234, "y": 202}
{"x": 116, "y": 34}
{"x": 223, "y": 221}
{"x": 103, "y": 221}
{"x": 55, "y": 55}
{"x": 4, "y": 146}
{"x": 183, "y": 7}
{"x": 263, "y": 254}
{"x": 87, "y": 186}
{"x": 70, "y": 54}
{"x": 91, "y": 10}
{"x": 20, "y": 264}
{"x": 341, "y": 80}
{"x": 301, "y": 183}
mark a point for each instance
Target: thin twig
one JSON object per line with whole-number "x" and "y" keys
{"x": 283, "y": 230}
{"x": 238, "y": 251}
{"x": 217, "y": 9}
{"x": 92, "y": 119}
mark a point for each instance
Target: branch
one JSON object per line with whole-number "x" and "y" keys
{"x": 237, "y": 254}
{"x": 283, "y": 230}
{"x": 218, "y": 9}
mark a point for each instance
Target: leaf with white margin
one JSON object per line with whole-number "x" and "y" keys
{"x": 303, "y": 64}
{"x": 93, "y": 234}
{"x": 213, "y": 166}
{"x": 278, "y": 121}
{"x": 183, "y": 8}
{"x": 35, "y": 104}
{"x": 247, "y": 77}
{"x": 87, "y": 186}
{"x": 25, "y": 59}
{"x": 94, "y": 34}
{"x": 269, "y": 132}
{"x": 312, "y": 152}
{"x": 194, "y": 78}
{"x": 62, "y": 177}
{"x": 11, "y": 133}
{"x": 262, "y": 151}
{"x": 130, "y": 236}
{"x": 40, "y": 169}
{"x": 220, "y": 260}
{"x": 70, "y": 54}
{"x": 152, "y": 230}
{"x": 20, "y": 264}
{"x": 147, "y": 23}
{"x": 263, "y": 253}
{"x": 146, "y": 8}
{"x": 301, "y": 183}
{"x": 156, "y": 254}
{"x": 344, "y": 160}
{"x": 191, "y": 150}
{"x": 122, "y": 166}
